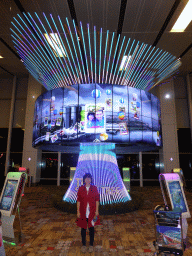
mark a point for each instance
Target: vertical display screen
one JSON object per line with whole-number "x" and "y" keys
{"x": 8, "y": 195}
{"x": 177, "y": 196}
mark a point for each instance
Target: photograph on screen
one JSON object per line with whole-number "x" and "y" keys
{"x": 47, "y": 136}
{"x": 54, "y": 138}
{"x": 95, "y": 118}
{"x": 123, "y": 128}
{"x": 108, "y": 103}
{"x": 8, "y": 195}
{"x": 58, "y": 122}
{"x": 46, "y": 121}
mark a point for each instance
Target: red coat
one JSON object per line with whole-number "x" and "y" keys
{"x": 91, "y": 198}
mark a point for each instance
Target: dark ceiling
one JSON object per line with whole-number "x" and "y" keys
{"x": 148, "y": 21}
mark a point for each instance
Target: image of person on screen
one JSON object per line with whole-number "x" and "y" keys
{"x": 99, "y": 118}
{"x": 91, "y": 120}
{"x": 87, "y": 210}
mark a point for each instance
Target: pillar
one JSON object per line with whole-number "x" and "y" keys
{"x": 140, "y": 169}
{"x": 31, "y": 156}
{"x": 59, "y": 169}
{"x": 11, "y": 116}
{"x": 169, "y": 127}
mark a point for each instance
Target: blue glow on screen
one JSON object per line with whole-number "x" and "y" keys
{"x": 109, "y": 113}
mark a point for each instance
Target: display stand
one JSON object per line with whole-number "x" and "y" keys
{"x": 9, "y": 206}
{"x": 174, "y": 196}
{"x": 173, "y": 193}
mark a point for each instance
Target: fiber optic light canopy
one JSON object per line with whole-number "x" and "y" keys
{"x": 57, "y": 53}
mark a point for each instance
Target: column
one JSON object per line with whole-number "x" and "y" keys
{"x": 31, "y": 156}
{"x": 140, "y": 169}
{"x": 189, "y": 92}
{"x": 11, "y": 116}
{"x": 59, "y": 169}
{"x": 169, "y": 127}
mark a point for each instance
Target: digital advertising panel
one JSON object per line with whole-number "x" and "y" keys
{"x": 102, "y": 112}
{"x": 8, "y": 195}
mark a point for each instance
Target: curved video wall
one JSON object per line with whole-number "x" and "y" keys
{"x": 97, "y": 112}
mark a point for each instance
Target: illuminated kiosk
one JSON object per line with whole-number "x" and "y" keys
{"x": 9, "y": 206}
{"x": 99, "y": 160}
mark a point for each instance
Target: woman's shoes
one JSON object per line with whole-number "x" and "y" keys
{"x": 83, "y": 249}
{"x": 90, "y": 248}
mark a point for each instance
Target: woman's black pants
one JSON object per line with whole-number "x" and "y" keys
{"x": 91, "y": 234}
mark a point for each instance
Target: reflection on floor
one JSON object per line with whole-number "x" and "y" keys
{"x": 48, "y": 231}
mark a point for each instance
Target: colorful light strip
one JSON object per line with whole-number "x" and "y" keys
{"x": 75, "y": 57}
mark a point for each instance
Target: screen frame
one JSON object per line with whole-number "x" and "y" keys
{"x": 10, "y": 177}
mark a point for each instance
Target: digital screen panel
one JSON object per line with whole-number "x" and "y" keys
{"x": 177, "y": 197}
{"x": 8, "y": 195}
{"x": 102, "y": 112}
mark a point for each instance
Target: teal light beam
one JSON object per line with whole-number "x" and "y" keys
{"x": 68, "y": 46}
{"x": 85, "y": 50}
{"x": 147, "y": 68}
{"x": 134, "y": 72}
{"x": 109, "y": 57}
{"x": 95, "y": 48}
{"x": 114, "y": 56}
{"x": 26, "y": 59}
{"x": 132, "y": 67}
{"x": 142, "y": 66}
{"x": 82, "y": 63}
{"x": 100, "y": 55}
{"x": 74, "y": 47}
{"x": 70, "y": 67}
{"x": 117, "y": 63}
{"x": 129, "y": 65}
{"x": 63, "y": 70}
{"x": 29, "y": 52}
{"x": 64, "y": 58}
{"x": 58, "y": 66}
{"x": 49, "y": 61}
{"x": 105, "y": 54}
{"x": 128, "y": 54}
{"x": 90, "y": 53}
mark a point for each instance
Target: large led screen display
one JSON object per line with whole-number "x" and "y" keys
{"x": 97, "y": 112}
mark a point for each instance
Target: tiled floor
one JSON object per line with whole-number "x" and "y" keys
{"x": 48, "y": 231}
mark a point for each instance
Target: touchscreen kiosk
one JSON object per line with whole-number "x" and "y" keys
{"x": 9, "y": 192}
{"x": 175, "y": 193}
{"x": 9, "y": 205}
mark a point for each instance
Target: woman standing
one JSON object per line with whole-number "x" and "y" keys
{"x": 87, "y": 210}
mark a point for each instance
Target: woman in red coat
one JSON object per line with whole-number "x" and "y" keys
{"x": 87, "y": 210}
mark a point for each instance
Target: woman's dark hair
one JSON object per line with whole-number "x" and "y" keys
{"x": 91, "y": 114}
{"x": 87, "y": 175}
